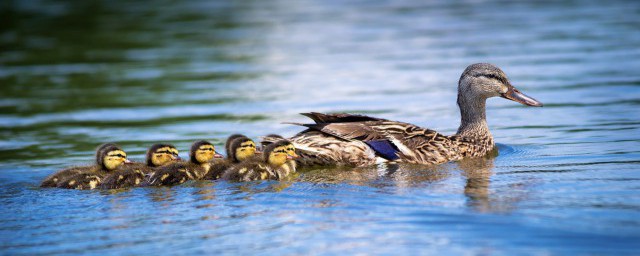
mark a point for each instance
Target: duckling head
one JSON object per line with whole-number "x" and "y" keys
{"x": 227, "y": 144}
{"x": 161, "y": 154}
{"x": 202, "y": 152}
{"x": 481, "y": 81}
{"x": 276, "y": 154}
{"x": 110, "y": 156}
{"x": 291, "y": 151}
{"x": 241, "y": 149}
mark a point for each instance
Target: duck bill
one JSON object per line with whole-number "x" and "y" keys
{"x": 218, "y": 156}
{"x": 515, "y": 95}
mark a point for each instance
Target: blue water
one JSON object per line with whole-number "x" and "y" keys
{"x": 565, "y": 179}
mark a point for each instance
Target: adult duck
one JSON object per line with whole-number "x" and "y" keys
{"x": 358, "y": 140}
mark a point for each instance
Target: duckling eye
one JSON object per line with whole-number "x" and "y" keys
{"x": 207, "y": 149}
{"x": 118, "y": 155}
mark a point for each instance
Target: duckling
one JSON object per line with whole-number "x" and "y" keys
{"x": 291, "y": 150}
{"x": 109, "y": 157}
{"x": 239, "y": 148}
{"x": 132, "y": 174}
{"x": 177, "y": 173}
{"x": 273, "y": 165}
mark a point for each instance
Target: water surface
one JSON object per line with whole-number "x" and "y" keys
{"x": 565, "y": 178}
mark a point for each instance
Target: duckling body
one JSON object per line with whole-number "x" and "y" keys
{"x": 109, "y": 158}
{"x": 52, "y": 180}
{"x": 358, "y": 140}
{"x": 123, "y": 179}
{"x": 88, "y": 179}
{"x": 254, "y": 169}
{"x": 201, "y": 153}
{"x": 133, "y": 174}
{"x": 177, "y": 173}
{"x": 273, "y": 166}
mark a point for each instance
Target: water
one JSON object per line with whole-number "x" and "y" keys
{"x": 565, "y": 180}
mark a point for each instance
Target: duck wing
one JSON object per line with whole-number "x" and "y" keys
{"x": 338, "y": 117}
{"x": 389, "y": 139}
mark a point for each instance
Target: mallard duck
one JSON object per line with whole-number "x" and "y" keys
{"x": 132, "y": 174}
{"x": 272, "y": 166}
{"x": 109, "y": 157}
{"x": 200, "y": 155}
{"x": 358, "y": 140}
{"x": 239, "y": 148}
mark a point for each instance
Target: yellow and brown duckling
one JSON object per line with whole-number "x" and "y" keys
{"x": 239, "y": 148}
{"x": 200, "y": 155}
{"x": 132, "y": 174}
{"x": 291, "y": 150}
{"x": 272, "y": 166}
{"x": 109, "y": 158}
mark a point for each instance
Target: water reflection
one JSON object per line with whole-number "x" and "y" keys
{"x": 478, "y": 173}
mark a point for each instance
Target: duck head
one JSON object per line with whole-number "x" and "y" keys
{"x": 202, "y": 152}
{"x": 110, "y": 156}
{"x": 276, "y": 154}
{"x": 161, "y": 154}
{"x": 481, "y": 81}
{"x": 241, "y": 149}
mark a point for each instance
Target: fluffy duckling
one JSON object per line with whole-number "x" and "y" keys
{"x": 132, "y": 174}
{"x": 273, "y": 166}
{"x": 109, "y": 157}
{"x": 291, "y": 150}
{"x": 239, "y": 148}
{"x": 200, "y": 155}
